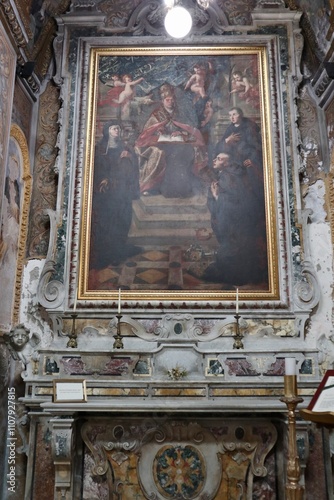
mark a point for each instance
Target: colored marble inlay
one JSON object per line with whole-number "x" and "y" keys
{"x": 241, "y": 368}
{"x": 215, "y": 367}
{"x": 180, "y": 392}
{"x": 307, "y": 367}
{"x": 179, "y": 472}
{"x": 220, "y": 391}
{"x": 116, "y": 391}
{"x": 142, "y": 367}
{"x": 114, "y": 366}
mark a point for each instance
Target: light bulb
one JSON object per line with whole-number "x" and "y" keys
{"x": 178, "y": 22}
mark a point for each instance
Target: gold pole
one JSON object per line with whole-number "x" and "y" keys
{"x": 294, "y": 491}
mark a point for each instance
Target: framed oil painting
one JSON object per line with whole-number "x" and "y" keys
{"x": 179, "y": 202}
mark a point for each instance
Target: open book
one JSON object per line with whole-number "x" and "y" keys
{"x": 325, "y": 400}
{"x": 170, "y": 138}
{"x": 321, "y": 407}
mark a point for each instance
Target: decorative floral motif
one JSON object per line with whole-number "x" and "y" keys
{"x": 176, "y": 373}
{"x": 179, "y": 472}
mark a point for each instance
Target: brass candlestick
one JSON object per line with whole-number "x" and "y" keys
{"x": 294, "y": 491}
{"x": 118, "y": 344}
{"x": 72, "y": 342}
{"x": 238, "y": 336}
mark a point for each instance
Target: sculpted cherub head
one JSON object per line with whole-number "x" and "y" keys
{"x": 18, "y": 337}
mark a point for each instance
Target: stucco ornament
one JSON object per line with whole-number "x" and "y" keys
{"x": 21, "y": 344}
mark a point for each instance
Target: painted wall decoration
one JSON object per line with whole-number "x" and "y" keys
{"x": 179, "y": 195}
{"x": 14, "y": 225}
{"x": 7, "y": 77}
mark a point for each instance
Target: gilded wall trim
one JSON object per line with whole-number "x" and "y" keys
{"x": 17, "y": 134}
{"x": 13, "y": 23}
{"x": 329, "y": 180}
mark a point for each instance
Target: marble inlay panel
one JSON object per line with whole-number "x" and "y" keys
{"x": 215, "y": 392}
{"x": 44, "y": 470}
{"x": 117, "y": 392}
{"x": 315, "y": 481}
{"x": 179, "y": 471}
{"x": 241, "y": 367}
{"x": 101, "y": 365}
{"x": 180, "y": 392}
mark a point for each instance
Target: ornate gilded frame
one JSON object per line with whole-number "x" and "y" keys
{"x": 267, "y": 103}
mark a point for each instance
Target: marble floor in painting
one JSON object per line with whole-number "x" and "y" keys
{"x": 175, "y": 243}
{"x": 156, "y": 268}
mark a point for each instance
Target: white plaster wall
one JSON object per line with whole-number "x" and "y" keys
{"x": 321, "y": 250}
{"x": 30, "y": 310}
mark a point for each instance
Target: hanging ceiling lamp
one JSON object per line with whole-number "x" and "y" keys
{"x": 178, "y": 21}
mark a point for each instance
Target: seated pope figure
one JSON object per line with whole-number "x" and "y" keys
{"x": 171, "y": 152}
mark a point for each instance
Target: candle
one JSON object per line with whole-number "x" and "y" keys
{"x": 290, "y": 378}
{"x": 237, "y": 302}
{"x": 290, "y": 366}
{"x": 75, "y": 301}
{"x": 119, "y": 301}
